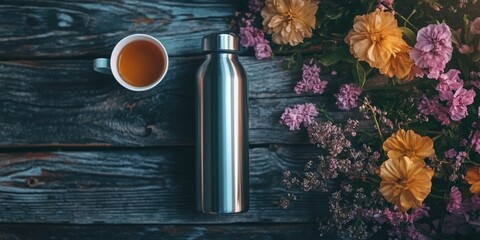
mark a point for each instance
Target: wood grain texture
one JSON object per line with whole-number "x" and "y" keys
{"x": 80, "y": 28}
{"x": 147, "y": 232}
{"x": 141, "y": 187}
{"x": 58, "y": 103}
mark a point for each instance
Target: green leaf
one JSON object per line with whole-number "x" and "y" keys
{"x": 476, "y": 57}
{"x": 409, "y": 35}
{"x": 456, "y": 38}
{"x": 359, "y": 74}
{"x": 335, "y": 56}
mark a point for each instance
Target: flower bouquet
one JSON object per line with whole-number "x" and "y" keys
{"x": 407, "y": 164}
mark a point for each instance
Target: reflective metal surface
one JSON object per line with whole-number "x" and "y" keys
{"x": 220, "y": 41}
{"x": 222, "y": 134}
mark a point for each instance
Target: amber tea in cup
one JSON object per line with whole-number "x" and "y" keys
{"x": 138, "y": 62}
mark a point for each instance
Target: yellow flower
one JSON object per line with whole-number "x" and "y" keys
{"x": 473, "y": 178}
{"x": 410, "y": 144}
{"x": 375, "y": 37}
{"x": 289, "y": 21}
{"x": 405, "y": 183}
{"x": 399, "y": 64}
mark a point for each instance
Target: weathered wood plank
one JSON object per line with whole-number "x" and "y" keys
{"x": 145, "y": 232}
{"x": 67, "y": 29}
{"x": 66, "y": 103}
{"x": 141, "y": 186}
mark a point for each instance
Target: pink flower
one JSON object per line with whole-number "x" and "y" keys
{"x": 256, "y": 5}
{"x": 476, "y": 141}
{"x": 458, "y": 105}
{"x": 455, "y": 202}
{"x": 311, "y": 81}
{"x": 465, "y": 49}
{"x": 347, "y": 98}
{"x": 262, "y": 50}
{"x": 434, "y": 108}
{"x": 475, "y": 26}
{"x": 433, "y": 49}
{"x": 300, "y": 113}
{"x": 448, "y": 83}
{"x": 250, "y": 36}
{"x": 450, "y": 153}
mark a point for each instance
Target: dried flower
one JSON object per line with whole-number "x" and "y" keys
{"x": 405, "y": 183}
{"x": 473, "y": 178}
{"x": 375, "y": 37}
{"x": 311, "y": 81}
{"x": 475, "y": 26}
{"x": 289, "y": 21}
{"x": 347, "y": 98}
{"x": 433, "y": 49}
{"x": 408, "y": 143}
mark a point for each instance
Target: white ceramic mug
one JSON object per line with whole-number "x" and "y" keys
{"x": 109, "y": 66}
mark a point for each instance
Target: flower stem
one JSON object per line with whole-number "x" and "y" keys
{"x": 437, "y": 196}
{"x": 374, "y": 115}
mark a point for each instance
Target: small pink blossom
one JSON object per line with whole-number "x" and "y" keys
{"x": 450, "y": 153}
{"x": 311, "y": 81}
{"x": 262, "y": 50}
{"x": 347, "y": 98}
{"x": 458, "y": 105}
{"x": 433, "y": 49}
{"x": 448, "y": 83}
{"x": 250, "y": 36}
{"x": 434, "y": 108}
{"x": 465, "y": 49}
{"x": 475, "y": 143}
{"x": 475, "y": 26}
{"x": 300, "y": 113}
{"x": 455, "y": 202}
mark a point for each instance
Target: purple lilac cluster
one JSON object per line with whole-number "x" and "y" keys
{"x": 251, "y": 36}
{"x": 300, "y": 113}
{"x": 347, "y": 98}
{"x": 433, "y": 49}
{"x": 454, "y": 96}
{"x": 456, "y": 159}
{"x": 311, "y": 81}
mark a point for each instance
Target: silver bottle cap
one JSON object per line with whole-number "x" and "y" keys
{"x": 220, "y": 42}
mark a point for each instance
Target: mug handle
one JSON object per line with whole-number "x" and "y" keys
{"x": 102, "y": 65}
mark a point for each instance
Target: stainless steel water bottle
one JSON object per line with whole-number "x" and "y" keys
{"x": 222, "y": 128}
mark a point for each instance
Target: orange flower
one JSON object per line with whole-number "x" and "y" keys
{"x": 410, "y": 144}
{"x": 473, "y": 178}
{"x": 375, "y": 37}
{"x": 399, "y": 64}
{"x": 289, "y": 21}
{"x": 405, "y": 183}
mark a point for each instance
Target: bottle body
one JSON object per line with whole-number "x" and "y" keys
{"x": 222, "y": 135}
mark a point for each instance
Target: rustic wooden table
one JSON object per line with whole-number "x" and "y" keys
{"x": 83, "y": 158}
